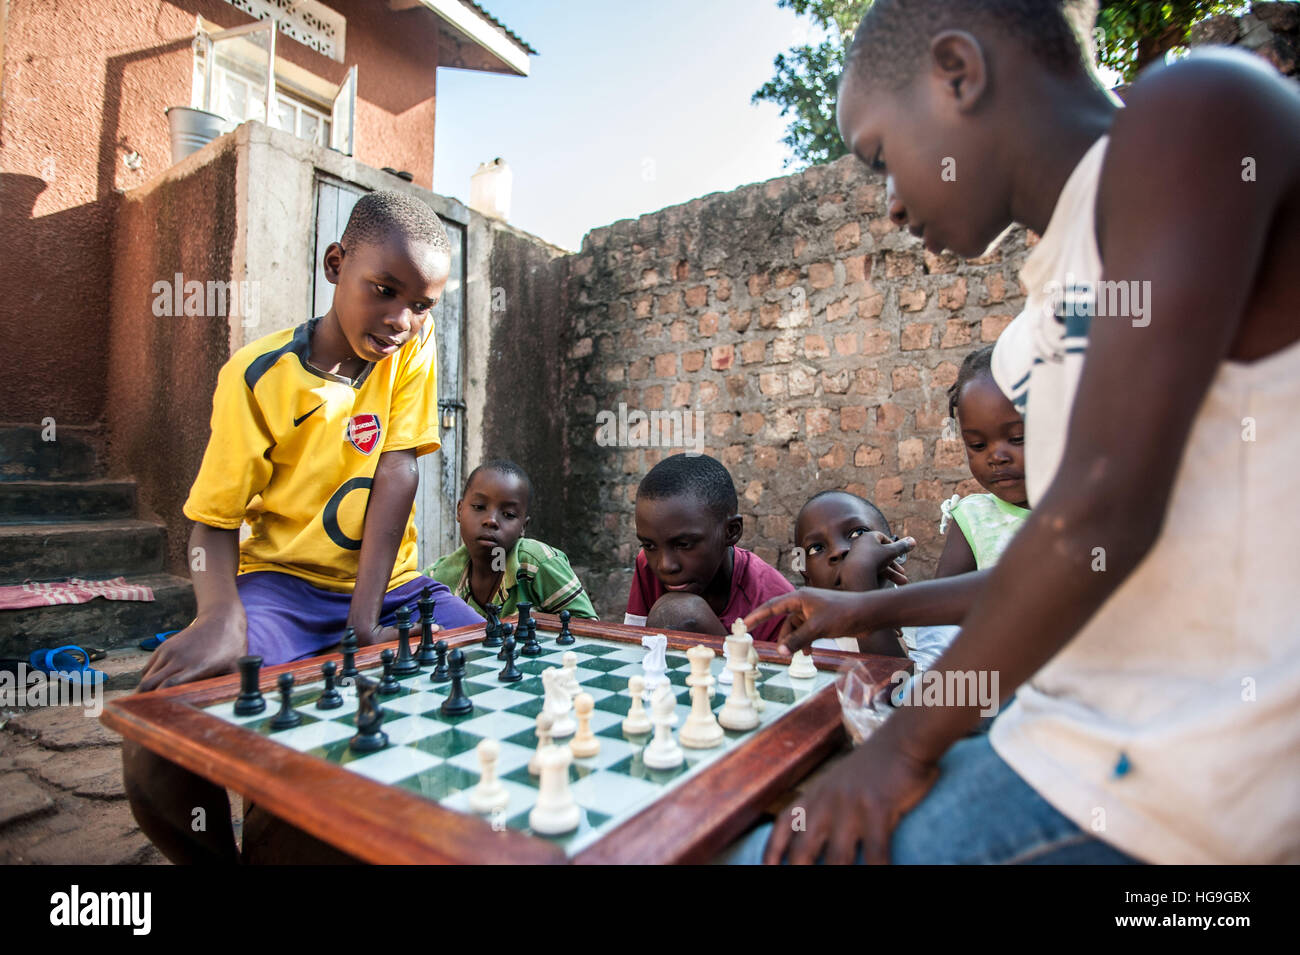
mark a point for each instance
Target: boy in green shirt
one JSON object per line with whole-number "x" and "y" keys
{"x": 496, "y": 564}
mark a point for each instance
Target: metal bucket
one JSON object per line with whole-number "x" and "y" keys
{"x": 192, "y": 129}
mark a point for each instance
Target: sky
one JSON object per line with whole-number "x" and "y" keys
{"x": 630, "y": 107}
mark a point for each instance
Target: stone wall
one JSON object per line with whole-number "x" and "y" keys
{"x": 1271, "y": 30}
{"x": 814, "y": 341}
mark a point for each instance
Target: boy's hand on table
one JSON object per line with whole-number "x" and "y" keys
{"x": 812, "y": 613}
{"x": 369, "y": 636}
{"x": 210, "y": 646}
{"x": 859, "y": 801}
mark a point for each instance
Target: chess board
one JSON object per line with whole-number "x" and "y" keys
{"x": 425, "y": 774}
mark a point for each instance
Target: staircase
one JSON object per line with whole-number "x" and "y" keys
{"x": 60, "y": 518}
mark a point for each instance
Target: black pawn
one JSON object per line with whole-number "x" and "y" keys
{"x": 388, "y": 685}
{"x": 565, "y": 638}
{"x": 457, "y": 703}
{"x": 526, "y": 626}
{"x": 424, "y": 654}
{"x": 250, "y": 701}
{"x": 511, "y": 672}
{"x": 531, "y": 647}
{"x": 507, "y": 631}
{"x": 492, "y": 637}
{"x": 330, "y": 699}
{"x": 287, "y": 718}
{"x": 349, "y": 647}
{"x": 405, "y": 664}
{"x": 440, "y": 674}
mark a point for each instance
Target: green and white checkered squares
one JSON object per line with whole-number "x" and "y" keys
{"x": 434, "y": 756}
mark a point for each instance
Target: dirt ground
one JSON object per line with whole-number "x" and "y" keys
{"x": 61, "y": 796}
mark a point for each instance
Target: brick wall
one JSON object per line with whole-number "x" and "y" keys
{"x": 815, "y": 339}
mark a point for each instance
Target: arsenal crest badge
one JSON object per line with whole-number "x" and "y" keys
{"x": 364, "y": 431}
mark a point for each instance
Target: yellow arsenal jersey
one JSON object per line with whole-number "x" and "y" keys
{"x": 294, "y": 449}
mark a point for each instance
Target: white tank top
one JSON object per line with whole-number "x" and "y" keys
{"x": 1170, "y": 725}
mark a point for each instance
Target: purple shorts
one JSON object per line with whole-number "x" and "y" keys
{"x": 289, "y": 619}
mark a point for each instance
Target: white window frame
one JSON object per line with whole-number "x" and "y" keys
{"x": 335, "y": 119}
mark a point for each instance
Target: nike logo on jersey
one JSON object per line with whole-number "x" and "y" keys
{"x": 298, "y": 421}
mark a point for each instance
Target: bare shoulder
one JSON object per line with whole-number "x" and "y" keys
{"x": 1217, "y": 93}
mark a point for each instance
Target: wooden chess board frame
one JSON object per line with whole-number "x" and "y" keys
{"x": 386, "y": 824}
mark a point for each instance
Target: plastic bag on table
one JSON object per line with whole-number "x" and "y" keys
{"x": 864, "y": 703}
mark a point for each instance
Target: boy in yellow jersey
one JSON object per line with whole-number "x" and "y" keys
{"x": 315, "y": 432}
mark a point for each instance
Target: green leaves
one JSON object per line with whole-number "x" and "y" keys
{"x": 1136, "y": 33}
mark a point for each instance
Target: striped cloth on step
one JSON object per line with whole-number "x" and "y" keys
{"x": 71, "y": 591}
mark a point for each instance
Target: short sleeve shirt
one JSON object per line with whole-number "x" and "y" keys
{"x": 294, "y": 450}
{"x": 753, "y": 583}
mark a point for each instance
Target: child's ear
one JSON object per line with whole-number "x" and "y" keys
{"x": 332, "y": 262}
{"x": 735, "y": 525}
{"x": 958, "y": 64}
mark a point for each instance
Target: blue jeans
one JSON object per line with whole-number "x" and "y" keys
{"x": 978, "y": 812}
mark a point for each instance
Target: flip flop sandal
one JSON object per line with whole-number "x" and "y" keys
{"x": 70, "y": 663}
{"x": 156, "y": 641}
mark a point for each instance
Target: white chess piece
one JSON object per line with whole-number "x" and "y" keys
{"x": 701, "y": 729}
{"x": 555, "y": 812}
{"x": 544, "y": 721}
{"x": 655, "y": 664}
{"x": 571, "y": 673}
{"x": 663, "y": 751}
{"x": 738, "y": 712}
{"x": 637, "y": 723}
{"x": 751, "y": 681}
{"x": 489, "y": 795}
{"x": 584, "y": 744}
{"x": 558, "y": 704}
{"x": 801, "y": 666}
{"x": 724, "y": 678}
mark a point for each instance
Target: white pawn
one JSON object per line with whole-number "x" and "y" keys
{"x": 663, "y": 751}
{"x": 584, "y": 744}
{"x": 724, "y": 678}
{"x": 751, "y": 681}
{"x": 556, "y": 812}
{"x": 636, "y": 723}
{"x": 801, "y": 666}
{"x": 570, "y": 672}
{"x": 738, "y": 712}
{"x": 558, "y": 704}
{"x": 544, "y": 721}
{"x": 489, "y": 795}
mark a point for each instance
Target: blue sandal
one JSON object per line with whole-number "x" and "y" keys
{"x": 70, "y": 663}
{"x": 156, "y": 641}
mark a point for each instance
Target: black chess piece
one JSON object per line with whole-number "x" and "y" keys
{"x": 424, "y": 654}
{"x": 349, "y": 648}
{"x": 457, "y": 702}
{"x": 439, "y": 674}
{"x": 565, "y": 639}
{"x": 405, "y": 664}
{"x": 492, "y": 637}
{"x": 511, "y": 672}
{"x": 250, "y": 701}
{"x": 370, "y": 715}
{"x": 507, "y": 631}
{"x": 525, "y": 626}
{"x": 527, "y": 629}
{"x": 388, "y": 685}
{"x": 287, "y": 718}
{"x": 330, "y": 698}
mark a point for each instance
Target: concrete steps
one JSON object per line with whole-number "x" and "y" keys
{"x": 30, "y": 501}
{"x": 92, "y": 549}
{"x": 60, "y": 518}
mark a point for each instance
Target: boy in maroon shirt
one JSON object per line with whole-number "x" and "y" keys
{"x": 690, "y": 575}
